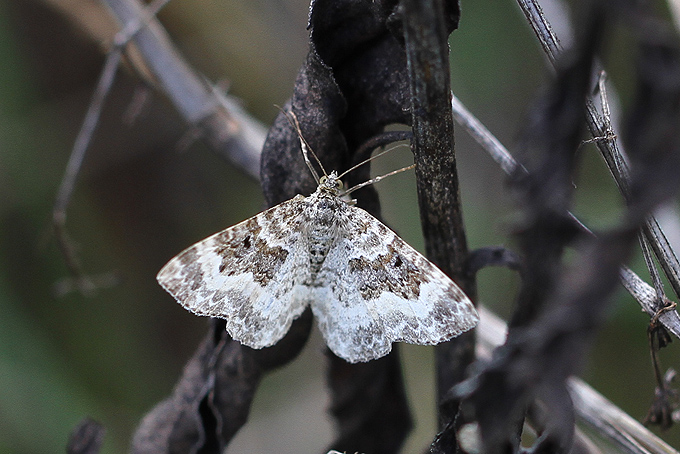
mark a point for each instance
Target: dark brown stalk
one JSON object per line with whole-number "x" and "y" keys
{"x": 436, "y": 175}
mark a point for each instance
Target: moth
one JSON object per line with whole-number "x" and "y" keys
{"x": 366, "y": 286}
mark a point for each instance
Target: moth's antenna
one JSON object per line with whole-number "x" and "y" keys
{"x": 369, "y": 160}
{"x": 378, "y": 178}
{"x": 306, "y": 149}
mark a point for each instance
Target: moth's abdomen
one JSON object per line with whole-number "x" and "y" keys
{"x": 319, "y": 245}
{"x": 321, "y": 232}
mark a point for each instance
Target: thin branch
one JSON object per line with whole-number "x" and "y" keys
{"x": 664, "y": 252}
{"x": 534, "y": 14}
{"x": 620, "y": 161}
{"x": 94, "y": 110}
{"x": 84, "y": 284}
{"x": 646, "y": 295}
{"x": 654, "y": 273}
{"x": 85, "y": 135}
{"x": 485, "y": 138}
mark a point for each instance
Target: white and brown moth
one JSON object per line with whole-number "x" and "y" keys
{"x": 367, "y": 287}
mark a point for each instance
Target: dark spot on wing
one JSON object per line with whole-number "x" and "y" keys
{"x": 243, "y": 249}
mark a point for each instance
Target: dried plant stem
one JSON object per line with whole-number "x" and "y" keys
{"x": 229, "y": 129}
{"x": 82, "y": 142}
{"x": 643, "y": 293}
{"x": 591, "y": 407}
{"x": 436, "y": 174}
{"x": 226, "y": 126}
{"x": 614, "y": 156}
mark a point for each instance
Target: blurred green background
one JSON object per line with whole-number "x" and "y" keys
{"x": 141, "y": 199}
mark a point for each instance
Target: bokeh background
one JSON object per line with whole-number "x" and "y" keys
{"x": 142, "y": 198}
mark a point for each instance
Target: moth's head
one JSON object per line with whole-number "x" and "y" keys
{"x": 330, "y": 184}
